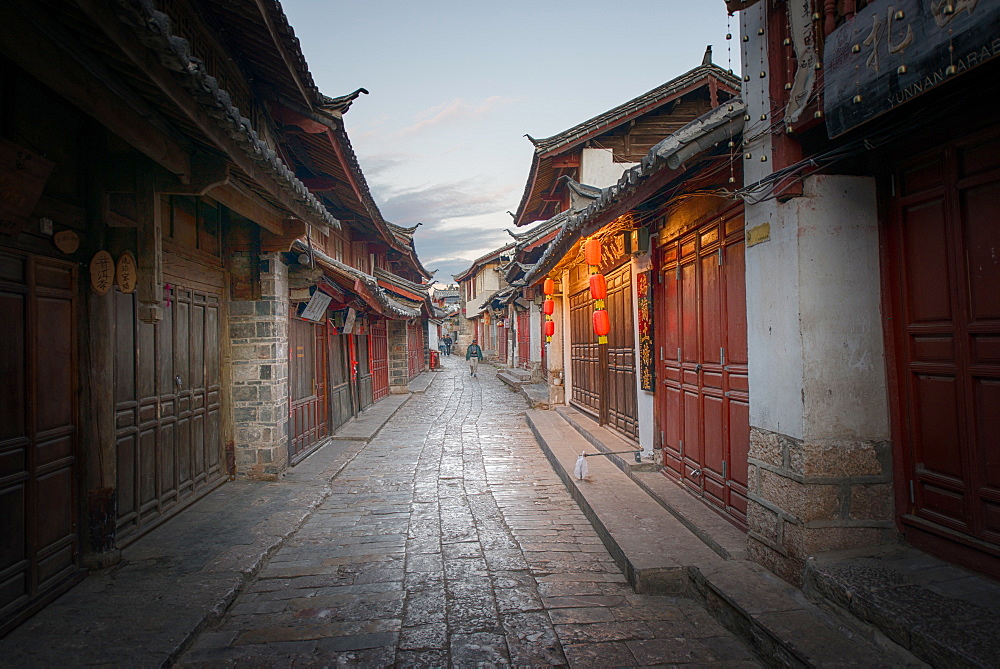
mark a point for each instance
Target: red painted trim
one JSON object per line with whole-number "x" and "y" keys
{"x": 400, "y": 291}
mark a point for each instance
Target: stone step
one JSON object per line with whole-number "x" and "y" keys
{"x": 660, "y": 554}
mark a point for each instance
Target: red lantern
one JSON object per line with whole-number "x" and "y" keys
{"x": 548, "y": 287}
{"x": 598, "y": 286}
{"x": 602, "y": 324}
{"x": 548, "y": 307}
{"x": 592, "y": 251}
{"x": 550, "y": 328}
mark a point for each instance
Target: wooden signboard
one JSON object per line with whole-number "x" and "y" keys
{"x": 102, "y": 272}
{"x": 22, "y": 177}
{"x": 893, "y": 51}
{"x": 647, "y": 359}
{"x": 125, "y": 273}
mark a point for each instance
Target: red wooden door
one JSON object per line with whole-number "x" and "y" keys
{"x": 414, "y": 349}
{"x": 378, "y": 341}
{"x": 39, "y": 550}
{"x": 703, "y": 403}
{"x": 307, "y": 382}
{"x": 523, "y": 339}
{"x": 502, "y": 334}
{"x": 584, "y": 354}
{"x": 944, "y": 286}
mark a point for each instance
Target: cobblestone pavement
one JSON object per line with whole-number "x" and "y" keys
{"x": 450, "y": 541}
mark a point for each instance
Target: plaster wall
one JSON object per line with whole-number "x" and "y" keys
{"x": 537, "y": 338}
{"x": 644, "y": 399}
{"x": 598, "y": 168}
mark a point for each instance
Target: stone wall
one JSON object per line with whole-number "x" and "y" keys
{"x": 399, "y": 373}
{"x": 806, "y": 498}
{"x": 258, "y": 333}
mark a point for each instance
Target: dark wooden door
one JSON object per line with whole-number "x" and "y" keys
{"x": 167, "y": 408}
{"x": 944, "y": 286}
{"x": 622, "y": 404}
{"x": 363, "y": 377}
{"x": 307, "y": 369}
{"x": 341, "y": 399}
{"x": 703, "y": 402}
{"x": 379, "y": 351}
{"x": 502, "y": 334}
{"x": 39, "y": 551}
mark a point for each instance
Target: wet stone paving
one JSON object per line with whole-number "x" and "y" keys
{"x": 450, "y": 541}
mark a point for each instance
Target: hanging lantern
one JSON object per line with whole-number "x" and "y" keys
{"x": 598, "y": 286}
{"x": 550, "y": 328}
{"x": 592, "y": 251}
{"x": 548, "y": 287}
{"x": 602, "y": 324}
{"x": 548, "y": 307}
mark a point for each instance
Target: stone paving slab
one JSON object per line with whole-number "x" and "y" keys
{"x": 656, "y": 551}
{"x": 175, "y": 580}
{"x": 366, "y": 425}
{"x": 421, "y": 382}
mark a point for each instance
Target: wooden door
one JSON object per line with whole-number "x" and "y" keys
{"x": 584, "y": 354}
{"x": 620, "y": 398}
{"x": 502, "y": 334}
{"x": 308, "y": 411}
{"x": 363, "y": 379}
{"x": 167, "y": 408}
{"x": 341, "y": 398}
{"x": 943, "y": 280}
{"x": 379, "y": 355}
{"x": 39, "y": 552}
{"x": 414, "y": 349}
{"x": 523, "y": 339}
{"x": 703, "y": 403}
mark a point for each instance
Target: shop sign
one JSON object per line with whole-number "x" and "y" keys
{"x": 647, "y": 360}
{"x": 349, "y": 321}
{"x": 125, "y": 273}
{"x": 315, "y": 311}
{"x": 894, "y": 51}
{"x": 102, "y": 272}
{"x": 22, "y": 177}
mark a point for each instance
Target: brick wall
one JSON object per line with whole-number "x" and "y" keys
{"x": 258, "y": 333}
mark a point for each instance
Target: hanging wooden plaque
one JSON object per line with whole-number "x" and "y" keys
{"x": 102, "y": 272}
{"x": 125, "y": 273}
{"x": 22, "y": 177}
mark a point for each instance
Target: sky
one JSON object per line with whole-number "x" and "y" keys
{"x": 454, "y": 85}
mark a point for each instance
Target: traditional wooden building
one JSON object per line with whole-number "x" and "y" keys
{"x": 157, "y": 178}
{"x": 478, "y": 286}
{"x": 569, "y": 173}
{"x": 872, "y": 277}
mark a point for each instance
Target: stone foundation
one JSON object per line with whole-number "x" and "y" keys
{"x": 258, "y": 334}
{"x": 806, "y": 498}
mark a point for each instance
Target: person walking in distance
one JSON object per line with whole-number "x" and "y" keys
{"x": 447, "y": 344}
{"x": 473, "y": 354}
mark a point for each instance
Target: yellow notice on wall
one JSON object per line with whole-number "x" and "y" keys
{"x": 758, "y": 234}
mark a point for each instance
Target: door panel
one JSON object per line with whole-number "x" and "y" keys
{"x": 363, "y": 383}
{"x": 39, "y": 427}
{"x": 942, "y": 277}
{"x": 379, "y": 360}
{"x": 341, "y": 401}
{"x": 584, "y": 354}
{"x": 167, "y": 408}
{"x": 703, "y": 403}
{"x": 307, "y": 377}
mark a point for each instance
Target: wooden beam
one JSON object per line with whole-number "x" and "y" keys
{"x": 294, "y": 230}
{"x": 53, "y": 57}
{"x": 321, "y": 183}
{"x": 207, "y": 172}
{"x": 251, "y": 206}
{"x": 566, "y": 161}
{"x": 164, "y": 79}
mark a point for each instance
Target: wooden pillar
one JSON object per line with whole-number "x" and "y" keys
{"x": 149, "y": 234}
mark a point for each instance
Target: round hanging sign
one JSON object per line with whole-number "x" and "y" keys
{"x": 125, "y": 273}
{"x": 102, "y": 272}
{"x": 66, "y": 241}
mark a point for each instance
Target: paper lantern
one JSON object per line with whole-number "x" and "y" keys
{"x": 548, "y": 307}
{"x": 602, "y": 323}
{"x": 549, "y": 287}
{"x": 550, "y": 328}
{"x": 598, "y": 286}
{"x": 592, "y": 251}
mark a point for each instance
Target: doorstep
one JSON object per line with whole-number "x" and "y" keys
{"x": 660, "y": 554}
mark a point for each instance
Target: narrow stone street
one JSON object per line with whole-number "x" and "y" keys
{"x": 449, "y": 540}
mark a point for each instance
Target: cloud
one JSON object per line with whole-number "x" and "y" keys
{"x": 452, "y": 112}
